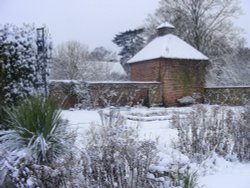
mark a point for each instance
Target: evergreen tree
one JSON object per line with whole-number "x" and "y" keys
{"x": 131, "y": 42}
{"x": 20, "y": 73}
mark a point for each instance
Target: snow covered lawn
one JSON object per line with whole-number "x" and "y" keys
{"x": 154, "y": 123}
{"x": 235, "y": 176}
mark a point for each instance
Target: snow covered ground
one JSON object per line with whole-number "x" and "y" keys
{"x": 234, "y": 176}
{"x": 154, "y": 123}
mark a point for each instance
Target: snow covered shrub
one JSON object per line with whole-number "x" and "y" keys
{"x": 115, "y": 157}
{"x": 203, "y": 132}
{"x": 34, "y": 141}
{"x": 38, "y": 125}
{"x": 20, "y": 70}
{"x": 82, "y": 92}
{"x": 220, "y": 130}
{"x": 241, "y": 135}
{"x": 61, "y": 173}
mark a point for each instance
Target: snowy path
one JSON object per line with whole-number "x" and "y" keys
{"x": 237, "y": 176}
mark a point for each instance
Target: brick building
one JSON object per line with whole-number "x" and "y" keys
{"x": 167, "y": 59}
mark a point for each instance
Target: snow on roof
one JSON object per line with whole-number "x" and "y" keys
{"x": 165, "y": 24}
{"x": 116, "y": 67}
{"x": 170, "y": 47}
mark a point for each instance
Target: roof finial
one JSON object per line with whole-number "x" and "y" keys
{"x": 165, "y": 28}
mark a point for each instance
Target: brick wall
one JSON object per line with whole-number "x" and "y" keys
{"x": 145, "y": 71}
{"x": 181, "y": 78}
{"x": 64, "y": 93}
{"x": 102, "y": 94}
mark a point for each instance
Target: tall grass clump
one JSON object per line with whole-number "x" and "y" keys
{"x": 34, "y": 138}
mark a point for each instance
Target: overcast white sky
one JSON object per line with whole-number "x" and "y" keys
{"x": 93, "y": 22}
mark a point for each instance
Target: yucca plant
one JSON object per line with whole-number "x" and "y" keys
{"x": 36, "y": 129}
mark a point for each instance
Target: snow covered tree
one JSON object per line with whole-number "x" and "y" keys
{"x": 102, "y": 54}
{"x": 131, "y": 42}
{"x": 207, "y": 24}
{"x": 20, "y": 70}
{"x": 231, "y": 69}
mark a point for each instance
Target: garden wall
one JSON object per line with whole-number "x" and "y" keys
{"x": 227, "y": 95}
{"x": 101, "y": 94}
{"x": 125, "y": 93}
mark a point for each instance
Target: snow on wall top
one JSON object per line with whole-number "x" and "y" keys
{"x": 170, "y": 47}
{"x": 226, "y": 86}
{"x": 64, "y": 81}
{"x": 165, "y": 24}
{"x": 122, "y": 82}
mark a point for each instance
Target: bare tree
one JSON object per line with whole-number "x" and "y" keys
{"x": 231, "y": 69}
{"x": 73, "y": 61}
{"x": 67, "y": 59}
{"x": 206, "y": 24}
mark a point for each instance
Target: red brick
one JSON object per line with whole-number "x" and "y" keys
{"x": 179, "y": 78}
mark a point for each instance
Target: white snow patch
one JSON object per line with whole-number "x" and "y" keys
{"x": 81, "y": 121}
{"x": 186, "y": 100}
{"x": 29, "y": 182}
{"x": 233, "y": 176}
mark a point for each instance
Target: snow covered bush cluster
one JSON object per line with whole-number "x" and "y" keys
{"x": 20, "y": 70}
{"x": 219, "y": 130}
{"x": 114, "y": 156}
